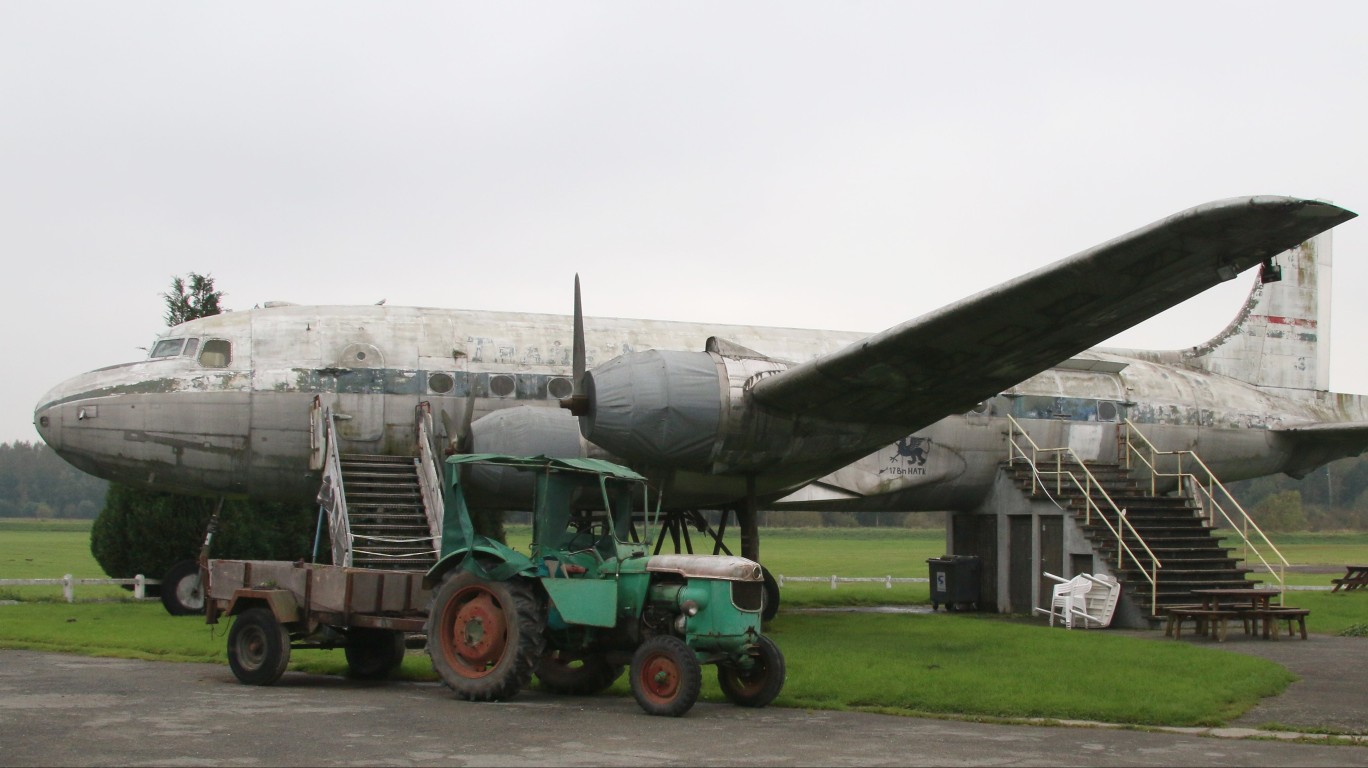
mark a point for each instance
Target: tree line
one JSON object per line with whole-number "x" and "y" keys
{"x": 35, "y": 482}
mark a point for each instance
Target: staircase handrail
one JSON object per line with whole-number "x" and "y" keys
{"x": 1014, "y": 449}
{"x": 1191, "y": 483}
{"x": 429, "y": 474}
{"x": 332, "y": 495}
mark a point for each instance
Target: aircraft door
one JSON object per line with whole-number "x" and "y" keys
{"x": 360, "y": 401}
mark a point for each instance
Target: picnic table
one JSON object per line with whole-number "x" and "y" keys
{"x": 1355, "y": 577}
{"x": 1218, "y": 606}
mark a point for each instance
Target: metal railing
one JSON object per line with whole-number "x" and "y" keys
{"x": 1070, "y": 472}
{"x": 1205, "y": 492}
{"x": 332, "y": 496}
{"x": 428, "y": 464}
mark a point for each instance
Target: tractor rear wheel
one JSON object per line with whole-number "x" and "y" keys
{"x": 666, "y": 676}
{"x": 757, "y": 686}
{"x": 770, "y": 607}
{"x": 485, "y": 637}
{"x": 576, "y": 677}
{"x": 372, "y": 654}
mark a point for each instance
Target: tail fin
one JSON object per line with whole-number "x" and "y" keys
{"x": 1281, "y": 338}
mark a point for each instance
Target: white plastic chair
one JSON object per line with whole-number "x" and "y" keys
{"x": 1100, "y": 601}
{"x": 1085, "y": 601}
{"x": 1068, "y": 599}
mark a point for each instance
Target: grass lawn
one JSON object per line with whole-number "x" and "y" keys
{"x": 974, "y": 665}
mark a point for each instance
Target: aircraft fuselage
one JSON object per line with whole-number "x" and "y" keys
{"x": 232, "y": 415}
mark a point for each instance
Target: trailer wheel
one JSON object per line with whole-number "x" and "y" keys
{"x": 258, "y": 647}
{"x": 372, "y": 654}
{"x": 485, "y": 637}
{"x": 576, "y": 677}
{"x": 666, "y": 676}
{"x": 182, "y": 594}
{"x": 757, "y": 686}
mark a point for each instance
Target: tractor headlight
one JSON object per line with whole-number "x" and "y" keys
{"x": 681, "y": 625}
{"x": 689, "y": 607}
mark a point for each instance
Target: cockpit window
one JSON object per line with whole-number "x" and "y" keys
{"x": 191, "y": 347}
{"x": 167, "y": 348}
{"x": 217, "y": 353}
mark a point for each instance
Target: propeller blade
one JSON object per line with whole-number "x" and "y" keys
{"x": 578, "y": 360}
{"x": 577, "y": 403}
{"x": 463, "y": 438}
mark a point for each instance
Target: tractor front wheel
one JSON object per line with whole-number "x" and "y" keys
{"x": 484, "y": 637}
{"x": 666, "y": 676}
{"x": 757, "y": 686}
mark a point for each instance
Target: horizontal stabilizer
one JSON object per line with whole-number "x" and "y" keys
{"x": 1312, "y": 445}
{"x": 944, "y": 362}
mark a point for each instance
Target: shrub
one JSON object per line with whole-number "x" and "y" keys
{"x": 141, "y": 531}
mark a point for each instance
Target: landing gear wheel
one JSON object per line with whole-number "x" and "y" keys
{"x": 258, "y": 647}
{"x": 484, "y": 637}
{"x": 757, "y": 686}
{"x": 770, "y": 607}
{"x": 576, "y": 677}
{"x": 181, "y": 591}
{"x": 372, "y": 654}
{"x": 666, "y": 676}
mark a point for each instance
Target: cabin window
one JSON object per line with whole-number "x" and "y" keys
{"x": 191, "y": 347}
{"x": 501, "y": 385}
{"x": 167, "y": 348}
{"x": 1063, "y": 408}
{"x": 217, "y": 353}
{"x": 560, "y": 387}
{"x": 441, "y": 383}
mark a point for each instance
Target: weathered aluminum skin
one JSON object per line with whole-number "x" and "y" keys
{"x": 243, "y": 429}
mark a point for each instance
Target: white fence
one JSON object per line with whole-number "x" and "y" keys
{"x": 887, "y": 581}
{"x": 68, "y": 584}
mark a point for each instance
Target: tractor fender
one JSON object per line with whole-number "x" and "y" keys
{"x": 279, "y": 601}
{"x": 488, "y": 558}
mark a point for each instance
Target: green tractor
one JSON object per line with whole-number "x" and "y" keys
{"x": 591, "y": 599}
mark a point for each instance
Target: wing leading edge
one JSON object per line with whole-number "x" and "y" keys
{"x": 944, "y": 362}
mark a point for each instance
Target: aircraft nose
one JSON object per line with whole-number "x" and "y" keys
{"x": 47, "y": 419}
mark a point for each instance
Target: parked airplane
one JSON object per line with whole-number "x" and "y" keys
{"x": 907, "y": 419}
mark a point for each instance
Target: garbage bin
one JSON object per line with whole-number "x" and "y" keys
{"x": 955, "y": 581}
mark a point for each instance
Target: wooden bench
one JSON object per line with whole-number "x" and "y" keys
{"x": 1269, "y": 616}
{"x": 1355, "y": 577}
{"x": 1207, "y": 621}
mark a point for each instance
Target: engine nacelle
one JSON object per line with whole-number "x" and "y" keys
{"x": 519, "y": 431}
{"x": 686, "y": 410}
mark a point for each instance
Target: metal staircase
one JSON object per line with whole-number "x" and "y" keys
{"x": 383, "y": 512}
{"x": 1159, "y": 546}
{"x": 1165, "y": 549}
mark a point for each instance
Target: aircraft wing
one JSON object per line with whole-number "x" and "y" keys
{"x": 946, "y": 361}
{"x": 1311, "y": 445}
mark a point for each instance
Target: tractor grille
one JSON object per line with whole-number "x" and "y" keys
{"x": 748, "y": 595}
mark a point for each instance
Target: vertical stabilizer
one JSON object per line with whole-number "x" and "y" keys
{"x": 1281, "y": 338}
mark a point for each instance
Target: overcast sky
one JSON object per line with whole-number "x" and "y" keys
{"x": 844, "y": 165}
